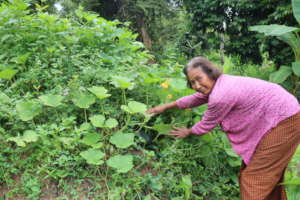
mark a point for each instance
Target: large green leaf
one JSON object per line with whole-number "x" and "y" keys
{"x": 273, "y": 29}
{"x": 93, "y": 156}
{"x": 21, "y": 59}
{"x": 296, "y": 68}
{"x": 83, "y": 100}
{"x": 122, "y": 140}
{"x": 66, "y": 140}
{"x": 30, "y": 136}
{"x": 18, "y": 140}
{"x": 97, "y": 120}
{"x": 281, "y": 75}
{"x": 134, "y": 107}
{"x": 137, "y": 107}
{"x": 162, "y": 128}
{"x": 292, "y": 40}
{"x": 85, "y": 126}
{"x": 100, "y": 92}
{"x": 51, "y": 100}
{"x": 111, "y": 123}
{"x": 149, "y": 78}
{"x": 122, "y": 82}
{"x": 4, "y": 99}
{"x": 8, "y": 73}
{"x": 178, "y": 84}
{"x": 92, "y": 139}
{"x": 296, "y": 9}
{"x": 27, "y": 110}
{"x": 121, "y": 163}
{"x": 126, "y": 109}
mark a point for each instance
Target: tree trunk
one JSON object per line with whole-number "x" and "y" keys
{"x": 143, "y": 30}
{"x": 222, "y": 44}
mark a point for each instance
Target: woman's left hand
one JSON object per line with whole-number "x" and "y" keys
{"x": 180, "y": 132}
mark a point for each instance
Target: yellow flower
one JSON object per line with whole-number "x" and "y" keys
{"x": 170, "y": 96}
{"x": 165, "y": 84}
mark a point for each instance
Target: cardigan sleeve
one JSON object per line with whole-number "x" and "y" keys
{"x": 191, "y": 101}
{"x": 214, "y": 115}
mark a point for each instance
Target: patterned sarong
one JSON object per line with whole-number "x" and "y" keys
{"x": 260, "y": 180}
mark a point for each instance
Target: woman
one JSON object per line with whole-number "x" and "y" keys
{"x": 261, "y": 120}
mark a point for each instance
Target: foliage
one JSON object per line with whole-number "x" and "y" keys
{"x": 290, "y": 36}
{"x": 154, "y": 20}
{"x": 233, "y": 65}
{"x": 74, "y": 111}
{"x": 215, "y": 22}
{"x": 292, "y": 177}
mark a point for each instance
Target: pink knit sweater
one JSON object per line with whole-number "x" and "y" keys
{"x": 245, "y": 108}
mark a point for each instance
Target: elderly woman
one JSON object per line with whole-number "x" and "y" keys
{"x": 261, "y": 120}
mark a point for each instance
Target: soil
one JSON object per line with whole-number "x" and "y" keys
{"x": 50, "y": 191}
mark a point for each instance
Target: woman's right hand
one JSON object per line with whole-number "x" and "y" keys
{"x": 156, "y": 110}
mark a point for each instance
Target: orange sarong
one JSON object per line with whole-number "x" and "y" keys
{"x": 259, "y": 180}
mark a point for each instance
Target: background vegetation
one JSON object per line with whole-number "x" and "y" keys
{"x": 75, "y": 86}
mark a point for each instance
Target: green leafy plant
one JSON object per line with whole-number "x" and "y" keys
{"x": 27, "y": 110}
{"x": 83, "y": 100}
{"x": 67, "y": 66}
{"x": 51, "y": 100}
{"x": 100, "y": 122}
{"x": 27, "y": 137}
{"x": 186, "y": 184}
{"x": 7, "y": 74}
{"x": 93, "y": 140}
{"x": 100, "y": 92}
{"x": 122, "y": 140}
{"x": 93, "y": 156}
{"x": 134, "y": 107}
{"x": 121, "y": 163}
{"x": 290, "y": 36}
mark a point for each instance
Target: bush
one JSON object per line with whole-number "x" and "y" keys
{"x": 74, "y": 93}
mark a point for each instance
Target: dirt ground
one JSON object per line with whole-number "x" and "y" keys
{"x": 50, "y": 191}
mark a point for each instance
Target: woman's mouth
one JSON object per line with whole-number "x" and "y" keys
{"x": 203, "y": 90}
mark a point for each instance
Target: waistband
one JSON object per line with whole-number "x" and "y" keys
{"x": 295, "y": 117}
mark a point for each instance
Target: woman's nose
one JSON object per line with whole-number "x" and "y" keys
{"x": 197, "y": 85}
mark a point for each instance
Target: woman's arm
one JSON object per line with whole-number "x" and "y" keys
{"x": 162, "y": 108}
{"x": 190, "y": 101}
{"x": 213, "y": 116}
{"x": 216, "y": 113}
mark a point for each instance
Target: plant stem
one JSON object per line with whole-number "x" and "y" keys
{"x": 85, "y": 116}
{"x": 127, "y": 123}
{"x": 101, "y": 108}
{"x": 156, "y": 137}
{"x": 34, "y": 123}
{"x": 147, "y": 98}
{"x": 142, "y": 124}
{"x": 295, "y": 80}
{"x": 56, "y": 112}
{"x": 124, "y": 96}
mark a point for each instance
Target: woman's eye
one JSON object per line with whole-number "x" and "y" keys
{"x": 198, "y": 78}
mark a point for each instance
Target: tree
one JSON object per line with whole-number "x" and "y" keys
{"x": 158, "y": 22}
{"x": 144, "y": 15}
{"x": 212, "y": 18}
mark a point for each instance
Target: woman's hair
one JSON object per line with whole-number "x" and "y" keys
{"x": 211, "y": 70}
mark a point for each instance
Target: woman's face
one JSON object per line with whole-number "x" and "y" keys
{"x": 200, "y": 81}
